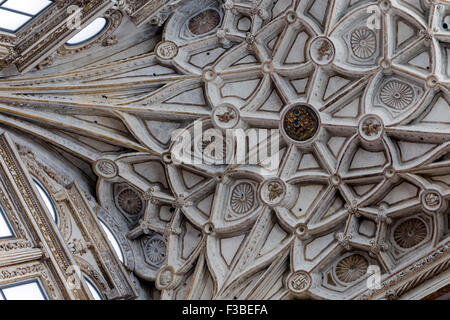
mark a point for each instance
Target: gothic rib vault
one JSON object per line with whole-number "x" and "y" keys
{"x": 364, "y": 119}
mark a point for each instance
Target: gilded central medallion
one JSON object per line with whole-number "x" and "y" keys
{"x": 300, "y": 123}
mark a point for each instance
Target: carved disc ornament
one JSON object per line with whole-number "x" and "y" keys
{"x": 154, "y": 250}
{"x": 166, "y": 50}
{"x": 106, "y": 168}
{"x": 299, "y": 282}
{"x": 130, "y": 201}
{"x": 363, "y": 43}
{"x": 410, "y": 233}
{"x": 242, "y": 198}
{"x": 354, "y": 120}
{"x": 300, "y": 123}
{"x": 397, "y": 95}
{"x": 351, "y": 268}
{"x": 322, "y": 51}
{"x": 204, "y": 22}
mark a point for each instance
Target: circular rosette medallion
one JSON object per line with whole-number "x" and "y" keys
{"x": 204, "y": 22}
{"x": 300, "y": 123}
{"x": 322, "y": 51}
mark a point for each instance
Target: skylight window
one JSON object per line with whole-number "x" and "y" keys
{"x": 5, "y": 230}
{"x": 14, "y": 14}
{"x": 30, "y": 290}
{"x": 113, "y": 241}
{"x": 47, "y": 200}
{"x": 86, "y": 34}
{"x": 26, "y": 6}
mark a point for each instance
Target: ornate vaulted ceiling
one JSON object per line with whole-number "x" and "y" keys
{"x": 358, "y": 89}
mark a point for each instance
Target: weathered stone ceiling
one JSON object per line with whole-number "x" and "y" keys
{"x": 364, "y": 182}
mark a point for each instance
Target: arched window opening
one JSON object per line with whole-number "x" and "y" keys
{"x": 45, "y": 196}
{"x": 112, "y": 239}
{"x": 89, "y": 32}
{"x": 93, "y": 289}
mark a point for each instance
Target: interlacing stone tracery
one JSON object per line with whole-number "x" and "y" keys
{"x": 364, "y": 174}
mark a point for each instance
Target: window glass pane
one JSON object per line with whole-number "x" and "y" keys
{"x": 12, "y": 21}
{"x": 26, "y": 291}
{"x": 93, "y": 290}
{"x": 47, "y": 200}
{"x": 113, "y": 241}
{"x": 89, "y": 32}
{"x": 27, "y": 6}
{"x": 5, "y": 230}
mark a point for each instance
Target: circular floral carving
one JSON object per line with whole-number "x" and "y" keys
{"x": 155, "y": 250}
{"x": 363, "y": 43}
{"x": 397, "y": 95}
{"x": 371, "y": 127}
{"x": 300, "y": 123}
{"x": 410, "y": 233}
{"x": 351, "y": 268}
{"x": 130, "y": 201}
{"x": 242, "y": 198}
{"x": 299, "y": 282}
{"x": 204, "y": 22}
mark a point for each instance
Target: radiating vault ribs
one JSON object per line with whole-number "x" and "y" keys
{"x": 349, "y": 117}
